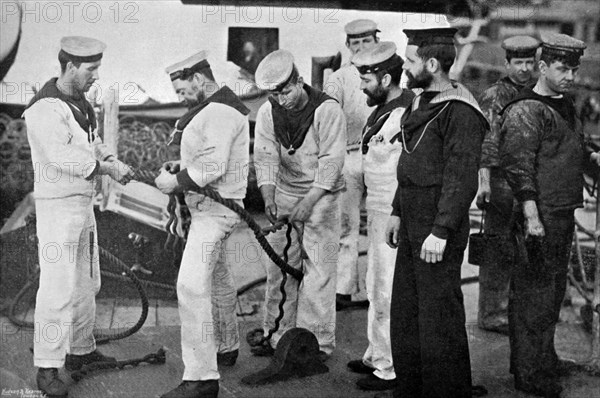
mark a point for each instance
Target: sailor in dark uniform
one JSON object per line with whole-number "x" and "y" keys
{"x": 494, "y": 195}
{"x": 542, "y": 153}
{"x": 441, "y": 134}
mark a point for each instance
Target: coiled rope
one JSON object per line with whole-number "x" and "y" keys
{"x": 100, "y": 336}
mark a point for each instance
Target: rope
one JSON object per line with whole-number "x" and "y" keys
{"x": 148, "y": 177}
{"x": 288, "y": 235}
{"x": 104, "y": 338}
{"x": 100, "y": 337}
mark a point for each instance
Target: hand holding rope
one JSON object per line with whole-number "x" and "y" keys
{"x": 148, "y": 176}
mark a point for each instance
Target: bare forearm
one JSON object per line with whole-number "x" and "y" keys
{"x": 268, "y": 193}
{"x": 314, "y": 194}
{"x": 530, "y": 210}
{"x": 484, "y": 175}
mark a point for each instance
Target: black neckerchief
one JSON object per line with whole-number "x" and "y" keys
{"x": 413, "y": 121}
{"x": 82, "y": 110}
{"x": 223, "y": 96}
{"x": 292, "y": 126}
{"x": 564, "y": 106}
{"x": 381, "y": 114}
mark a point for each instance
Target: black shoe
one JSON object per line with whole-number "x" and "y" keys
{"x": 227, "y": 358}
{"x": 374, "y": 383}
{"x": 49, "y": 383}
{"x": 75, "y": 362}
{"x": 194, "y": 389}
{"x": 357, "y": 366}
{"x": 543, "y": 388}
{"x": 263, "y": 350}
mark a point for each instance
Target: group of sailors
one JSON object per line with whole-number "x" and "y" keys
{"x": 420, "y": 154}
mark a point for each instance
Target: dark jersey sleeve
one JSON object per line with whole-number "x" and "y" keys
{"x": 491, "y": 102}
{"x": 463, "y": 130}
{"x": 521, "y": 131}
{"x": 396, "y": 203}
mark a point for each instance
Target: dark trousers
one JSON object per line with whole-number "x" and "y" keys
{"x": 494, "y": 272}
{"x": 429, "y": 340}
{"x": 537, "y": 288}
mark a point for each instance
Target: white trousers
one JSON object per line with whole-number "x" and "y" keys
{"x": 380, "y": 275}
{"x": 65, "y": 309}
{"x": 347, "y": 267}
{"x": 311, "y": 303}
{"x": 206, "y": 290}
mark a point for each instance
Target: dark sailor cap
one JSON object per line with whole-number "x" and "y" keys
{"x": 82, "y": 49}
{"x": 520, "y": 46}
{"x": 360, "y": 28}
{"x": 563, "y": 46}
{"x": 186, "y": 68}
{"x": 381, "y": 56}
{"x": 275, "y": 70}
{"x": 428, "y": 37}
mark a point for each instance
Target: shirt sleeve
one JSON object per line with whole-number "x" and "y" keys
{"x": 463, "y": 131}
{"x": 331, "y": 126}
{"x": 48, "y": 120}
{"x": 266, "y": 148}
{"x": 521, "y": 139}
{"x": 491, "y": 105}
{"x": 218, "y": 128}
{"x": 101, "y": 151}
{"x": 334, "y": 87}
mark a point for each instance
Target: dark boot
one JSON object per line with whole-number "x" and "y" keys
{"x": 358, "y": 366}
{"x": 374, "y": 383}
{"x": 227, "y": 358}
{"x": 49, "y": 383}
{"x": 75, "y": 362}
{"x": 194, "y": 389}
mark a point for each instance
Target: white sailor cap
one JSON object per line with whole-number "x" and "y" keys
{"x": 275, "y": 70}
{"x": 189, "y": 66}
{"x": 82, "y": 49}
{"x": 360, "y": 28}
{"x": 381, "y": 56}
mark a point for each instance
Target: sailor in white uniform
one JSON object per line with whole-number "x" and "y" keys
{"x": 67, "y": 156}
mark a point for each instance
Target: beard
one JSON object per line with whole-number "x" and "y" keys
{"x": 200, "y": 97}
{"x": 376, "y": 97}
{"x": 421, "y": 80}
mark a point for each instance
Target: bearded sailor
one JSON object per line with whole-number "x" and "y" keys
{"x": 441, "y": 135}
{"x": 214, "y": 137}
{"x": 380, "y": 70}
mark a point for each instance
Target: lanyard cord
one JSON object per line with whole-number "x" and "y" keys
{"x": 422, "y": 134}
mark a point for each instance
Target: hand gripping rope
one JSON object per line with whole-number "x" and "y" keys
{"x": 148, "y": 177}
